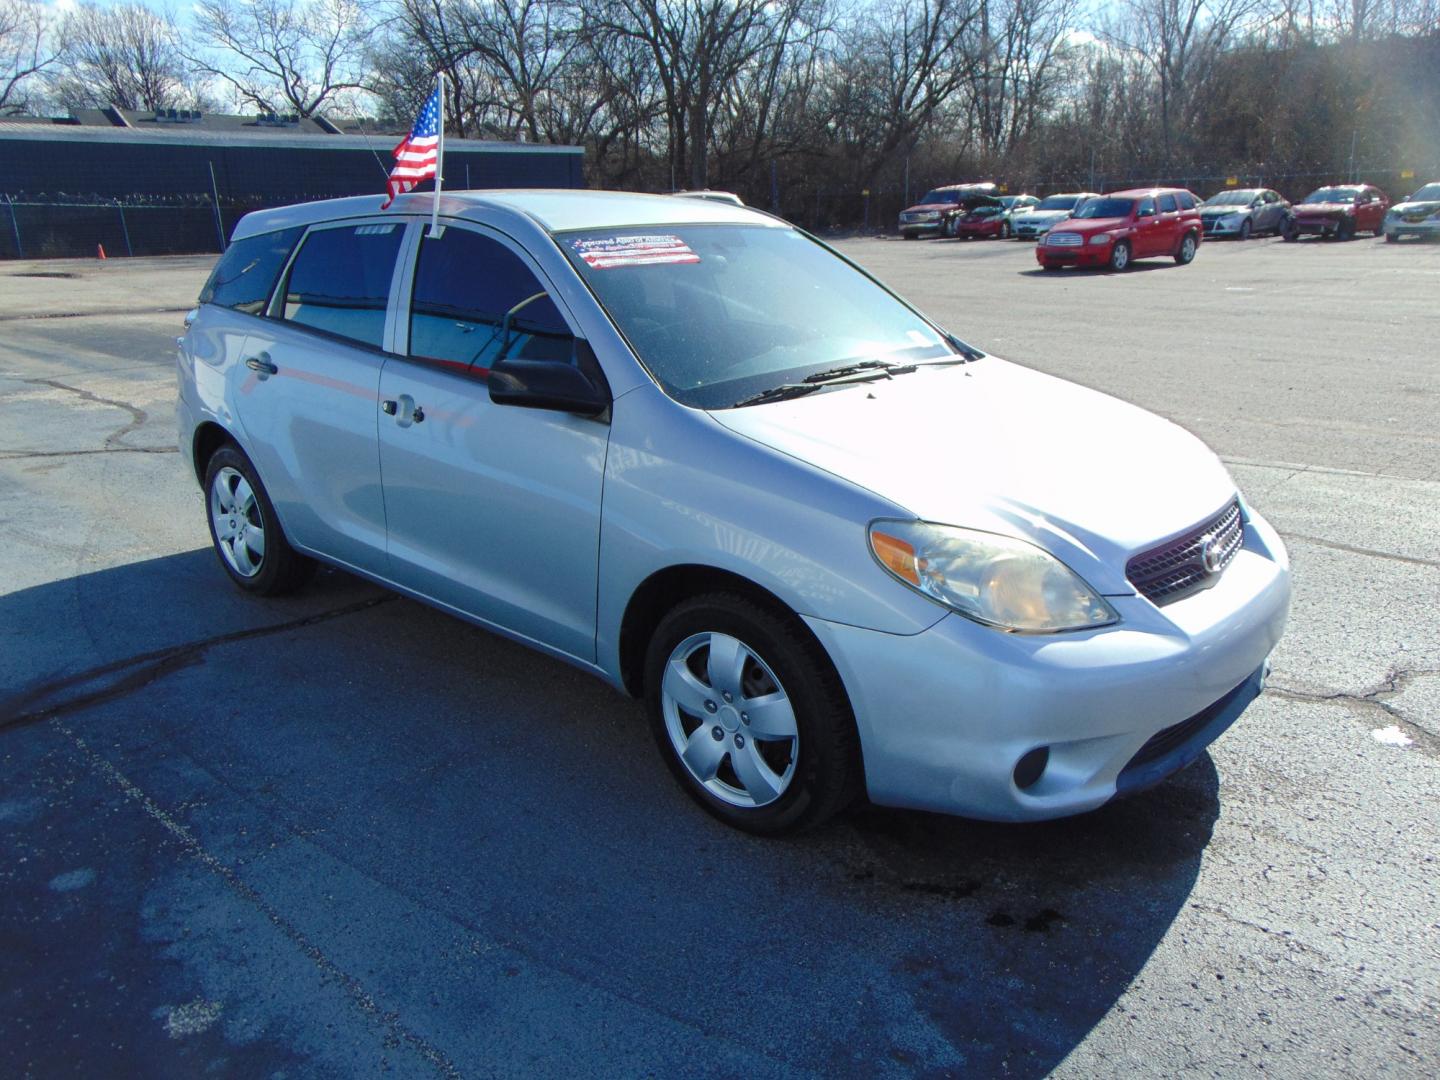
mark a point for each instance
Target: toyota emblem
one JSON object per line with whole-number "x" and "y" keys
{"x": 1211, "y": 552}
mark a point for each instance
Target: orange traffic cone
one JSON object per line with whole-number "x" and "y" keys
{"x": 99, "y": 251}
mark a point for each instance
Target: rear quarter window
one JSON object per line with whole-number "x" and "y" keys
{"x": 245, "y": 275}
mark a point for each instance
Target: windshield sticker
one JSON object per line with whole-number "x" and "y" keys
{"x": 648, "y": 250}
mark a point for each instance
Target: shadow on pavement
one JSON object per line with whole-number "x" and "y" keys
{"x": 373, "y": 835}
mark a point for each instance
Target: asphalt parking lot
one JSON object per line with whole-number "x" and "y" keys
{"x": 342, "y": 834}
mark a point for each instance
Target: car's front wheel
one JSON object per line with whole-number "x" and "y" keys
{"x": 750, "y": 716}
{"x": 1345, "y": 230}
{"x": 1288, "y": 232}
{"x": 1186, "y": 252}
{"x": 1246, "y": 228}
{"x": 1120, "y": 255}
{"x": 245, "y": 529}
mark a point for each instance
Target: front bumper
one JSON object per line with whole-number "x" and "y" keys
{"x": 920, "y": 228}
{"x": 1085, "y": 255}
{"x": 1031, "y": 231}
{"x": 945, "y": 716}
{"x": 1426, "y": 227}
{"x": 1214, "y": 226}
{"x": 1317, "y": 226}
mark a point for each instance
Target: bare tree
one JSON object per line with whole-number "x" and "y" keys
{"x": 903, "y": 64}
{"x": 294, "y": 56}
{"x": 127, "y": 55}
{"x": 1181, "y": 41}
{"x": 1021, "y": 43}
{"x": 26, "y": 50}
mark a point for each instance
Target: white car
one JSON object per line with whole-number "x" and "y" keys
{"x": 1418, "y": 215}
{"x": 1053, "y": 209}
{"x": 688, "y": 448}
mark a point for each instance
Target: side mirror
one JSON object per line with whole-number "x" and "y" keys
{"x": 557, "y": 385}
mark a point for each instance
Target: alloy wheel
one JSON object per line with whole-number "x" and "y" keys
{"x": 236, "y": 519}
{"x": 729, "y": 720}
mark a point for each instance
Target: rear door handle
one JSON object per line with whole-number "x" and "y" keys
{"x": 262, "y": 364}
{"x": 389, "y": 407}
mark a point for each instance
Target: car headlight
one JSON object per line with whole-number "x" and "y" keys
{"x": 1101, "y": 238}
{"x": 1234, "y": 219}
{"x": 997, "y": 580}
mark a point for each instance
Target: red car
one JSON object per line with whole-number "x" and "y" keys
{"x": 1116, "y": 229}
{"x": 1340, "y": 211}
{"x": 938, "y": 210}
{"x": 984, "y": 221}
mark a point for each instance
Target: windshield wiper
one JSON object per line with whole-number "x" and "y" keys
{"x": 778, "y": 393}
{"x": 880, "y": 367}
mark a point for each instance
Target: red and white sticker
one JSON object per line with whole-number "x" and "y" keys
{"x": 647, "y": 250}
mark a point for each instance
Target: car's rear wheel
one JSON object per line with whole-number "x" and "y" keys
{"x": 750, "y": 716}
{"x": 1120, "y": 255}
{"x": 245, "y": 530}
{"x": 1186, "y": 252}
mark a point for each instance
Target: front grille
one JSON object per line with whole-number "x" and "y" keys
{"x": 1063, "y": 239}
{"x": 1177, "y": 568}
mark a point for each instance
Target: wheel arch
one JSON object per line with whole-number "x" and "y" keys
{"x": 666, "y": 588}
{"x": 209, "y": 437}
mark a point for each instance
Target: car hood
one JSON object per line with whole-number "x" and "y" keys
{"x": 1306, "y": 209}
{"x": 1086, "y": 226}
{"x": 1224, "y": 211}
{"x": 998, "y": 447}
{"x": 1043, "y": 215}
{"x": 1408, "y": 208}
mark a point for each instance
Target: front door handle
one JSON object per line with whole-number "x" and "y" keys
{"x": 262, "y": 364}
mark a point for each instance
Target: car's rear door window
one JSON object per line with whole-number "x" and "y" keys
{"x": 1167, "y": 204}
{"x": 339, "y": 283}
{"x": 245, "y": 275}
{"x": 475, "y": 300}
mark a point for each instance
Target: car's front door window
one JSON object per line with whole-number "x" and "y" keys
{"x": 474, "y": 301}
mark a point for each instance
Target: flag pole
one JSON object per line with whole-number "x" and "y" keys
{"x": 439, "y": 158}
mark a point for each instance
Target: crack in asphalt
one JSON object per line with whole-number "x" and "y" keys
{"x": 36, "y": 316}
{"x": 136, "y": 672}
{"x": 26, "y": 455}
{"x": 138, "y": 416}
{"x": 396, "y": 1031}
{"x": 1393, "y": 683}
{"x": 1413, "y": 560}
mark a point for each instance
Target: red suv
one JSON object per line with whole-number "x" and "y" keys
{"x": 1114, "y": 230}
{"x": 1340, "y": 211}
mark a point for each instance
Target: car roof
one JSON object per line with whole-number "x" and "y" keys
{"x": 553, "y": 210}
{"x": 1138, "y": 193}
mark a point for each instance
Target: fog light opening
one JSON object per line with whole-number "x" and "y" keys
{"x": 1031, "y": 767}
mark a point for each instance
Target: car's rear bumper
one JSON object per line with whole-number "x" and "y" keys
{"x": 947, "y": 715}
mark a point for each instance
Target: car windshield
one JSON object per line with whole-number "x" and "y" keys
{"x": 1428, "y": 193}
{"x": 1231, "y": 198}
{"x": 1106, "y": 208}
{"x": 1059, "y": 202}
{"x": 939, "y": 197}
{"x": 987, "y": 211}
{"x": 720, "y": 313}
{"x": 1332, "y": 195}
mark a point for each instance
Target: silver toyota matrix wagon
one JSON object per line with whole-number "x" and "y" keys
{"x": 687, "y": 447}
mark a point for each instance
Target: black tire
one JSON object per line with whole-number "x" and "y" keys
{"x": 1120, "y": 255}
{"x": 827, "y": 773}
{"x": 1185, "y": 253}
{"x": 909, "y": 236}
{"x": 1246, "y": 229}
{"x": 1390, "y": 237}
{"x": 1288, "y": 232}
{"x": 280, "y": 569}
{"x": 1050, "y": 267}
{"x": 1345, "y": 230}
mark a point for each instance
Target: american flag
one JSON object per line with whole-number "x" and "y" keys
{"x": 415, "y": 156}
